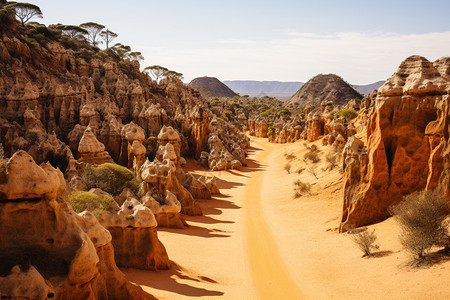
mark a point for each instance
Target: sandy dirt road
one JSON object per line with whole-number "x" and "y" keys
{"x": 229, "y": 252}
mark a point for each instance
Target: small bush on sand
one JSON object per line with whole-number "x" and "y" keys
{"x": 300, "y": 170}
{"x": 312, "y": 170}
{"x": 422, "y": 216}
{"x": 301, "y": 188}
{"x": 365, "y": 240}
{"x": 81, "y": 201}
{"x": 111, "y": 178}
{"x": 312, "y": 156}
{"x": 332, "y": 160}
{"x": 287, "y": 168}
{"x": 289, "y": 156}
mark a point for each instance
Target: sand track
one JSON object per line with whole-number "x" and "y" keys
{"x": 269, "y": 274}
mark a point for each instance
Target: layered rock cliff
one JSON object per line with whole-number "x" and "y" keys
{"x": 407, "y": 146}
{"x": 51, "y": 91}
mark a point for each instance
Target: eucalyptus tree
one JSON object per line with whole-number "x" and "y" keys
{"x": 156, "y": 71}
{"x": 24, "y": 11}
{"x": 173, "y": 74}
{"x": 71, "y": 31}
{"x": 93, "y": 32}
{"x": 108, "y": 36}
{"x": 120, "y": 51}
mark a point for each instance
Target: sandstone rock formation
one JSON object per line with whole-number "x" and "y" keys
{"x": 91, "y": 150}
{"x": 134, "y": 237}
{"x": 407, "y": 141}
{"x": 46, "y": 245}
{"x": 54, "y": 88}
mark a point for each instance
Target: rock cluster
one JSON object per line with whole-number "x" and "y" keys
{"x": 407, "y": 142}
{"x": 52, "y": 94}
{"x": 46, "y": 246}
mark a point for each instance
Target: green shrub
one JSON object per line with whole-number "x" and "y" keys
{"x": 235, "y": 104}
{"x": 349, "y": 114}
{"x": 270, "y": 132}
{"x": 81, "y": 201}
{"x": 111, "y": 178}
{"x": 268, "y": 112}
{"x": 284, "y": 112}
{"x": 422, "y": 218}
{"x": 365, "y": 240}
{"x": 215, "y": 101}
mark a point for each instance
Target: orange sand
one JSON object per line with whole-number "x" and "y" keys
{"x": 255, "y": 241}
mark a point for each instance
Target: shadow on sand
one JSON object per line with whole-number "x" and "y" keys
{"x": 167, "y": 281}
{"x": 428, "y": 261}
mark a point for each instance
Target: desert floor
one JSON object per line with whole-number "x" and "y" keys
{"x": 256, "y": 241}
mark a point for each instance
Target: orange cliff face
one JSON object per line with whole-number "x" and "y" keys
{"x": 46, "y": 246}
{"x": 407, "y": 143}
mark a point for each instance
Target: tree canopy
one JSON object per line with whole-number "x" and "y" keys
{"x": 120, "y": 51}
{"x": 108, "y": 36}
{"x": 156, "y": 71}
{"x": 173, "y": 74}
{"x": 94, "y": 30}
{"x": 25, "y": 11}
{"x": 72, "y": 31}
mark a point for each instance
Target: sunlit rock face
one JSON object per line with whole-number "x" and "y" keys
{"x": 50, "y": 94}
{"x": 46, "y": 247}
{"x": 407, "y": 142}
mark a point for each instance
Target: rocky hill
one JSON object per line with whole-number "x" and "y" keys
{"x": 320, "y": 88}
{"x": 278, "y": 89}
{"x": 212, "y": 87}
{"x": 366, "y": 89}
{"x": 407, "y": 146}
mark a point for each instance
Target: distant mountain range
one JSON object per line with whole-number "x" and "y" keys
{"x": 368, "y": 88}
{"x": 283, "y": 90}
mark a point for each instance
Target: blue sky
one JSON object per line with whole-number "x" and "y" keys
{"x": 281, "y": 40}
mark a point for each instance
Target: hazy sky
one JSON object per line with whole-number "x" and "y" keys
{"x": 284, "y": 40}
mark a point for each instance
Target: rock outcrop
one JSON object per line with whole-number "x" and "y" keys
{"x": 407, "y": 142}
{"x": 134, "y": 237}
{"x": 48, "y": 247}
{"x": 91, "y": 150}
{"x": 51, "y": 93}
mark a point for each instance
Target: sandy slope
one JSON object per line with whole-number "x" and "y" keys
{"x": 257, "y": 242}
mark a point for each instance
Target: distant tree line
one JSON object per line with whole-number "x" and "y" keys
{"x": 92, "y": 33}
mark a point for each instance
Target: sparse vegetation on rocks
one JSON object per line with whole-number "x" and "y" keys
{"x": 81, "y": 201}
{"x": 349, "y": 114}
{"x": 111, "y": 178}
{"x": 422, "y": 218}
